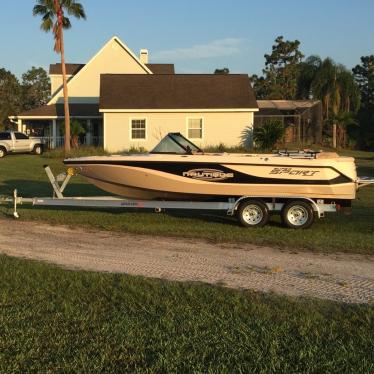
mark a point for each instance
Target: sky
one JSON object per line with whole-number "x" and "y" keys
{"x": 197, "y": 35}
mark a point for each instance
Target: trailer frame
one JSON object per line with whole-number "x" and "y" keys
{"x": 61, "y": 181}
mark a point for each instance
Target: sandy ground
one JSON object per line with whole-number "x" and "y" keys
{"x": 339, "y": 277}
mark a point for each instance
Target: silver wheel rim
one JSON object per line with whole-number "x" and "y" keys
{"x": 252, "y": 214}
{"x": 1, "y": 153}
{"x": 297, "y": 215}
{"x": 38, "y": 150}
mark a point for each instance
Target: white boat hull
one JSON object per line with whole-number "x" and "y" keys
{"x": 204, "y": 177}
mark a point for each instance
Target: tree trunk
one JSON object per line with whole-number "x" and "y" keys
{"x": 334, "y": 135}
{"x": 344, "y": 137}
{"x": 66, "y": 97}
{"x": 327, "y": 106}
{"x": 338, "y": 136}
{"x": 319, "y": 125}
{"x": 75, "y": 141}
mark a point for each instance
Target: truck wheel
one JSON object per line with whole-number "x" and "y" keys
{"x": 298, "y": 214}
{"x": 38, "y": 149}
{"x": 253, "y": 213}
{"x": 2, "y": 152}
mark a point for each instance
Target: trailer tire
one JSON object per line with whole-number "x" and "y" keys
{"x": 3, "y": 152}
{"x": 38, "y": 149}
{"x": 298, "y": 214}
{"x": 253, "y": 213}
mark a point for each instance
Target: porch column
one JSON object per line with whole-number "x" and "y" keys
{"x": 89, "y": 133}
{"x": 54, "y": 134}
{"x": 19, "y": 122}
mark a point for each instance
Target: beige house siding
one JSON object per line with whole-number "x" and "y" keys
{"x": 56, "y": 82}
{"x": 112, "y": 59}
{"x": 218, "y": 127}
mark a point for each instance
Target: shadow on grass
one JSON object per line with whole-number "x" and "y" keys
{"x": 366, "y": 171}
{"x": 363, "y": 209}
{"x": 203, "y": 216}
{"x": 365, "y": 158}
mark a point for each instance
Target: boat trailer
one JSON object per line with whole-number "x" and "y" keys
{"x": 249, "y": 215}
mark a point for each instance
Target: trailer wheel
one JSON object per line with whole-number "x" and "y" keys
{"x": 253, "y": 213}
{"x": 298, "y": 214}
{"x": 38, "y": 149}
{"x": 2, "y": 152}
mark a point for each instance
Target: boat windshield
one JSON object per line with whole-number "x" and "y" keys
{"x": 176, "y": 143}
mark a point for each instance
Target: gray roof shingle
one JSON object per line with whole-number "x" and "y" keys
{"x": 71, "y": 69}
{"x": 57, "y": 110}
{"x": 161, "y": 68}
{"x": 180, "y": 91}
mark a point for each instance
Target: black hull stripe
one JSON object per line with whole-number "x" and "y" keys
{"x": 182, "y": 194}
{"x": 152, "y": 164}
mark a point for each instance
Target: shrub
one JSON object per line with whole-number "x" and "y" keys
{"x": 136, "y": 150}
{"x": 247, "y": 138}
{"x": 268, "y": 135}
{"x": 82, "y": 151}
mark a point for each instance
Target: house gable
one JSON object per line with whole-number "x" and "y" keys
{"x": 55, "y": 75}
{"x": 114, "y": 58}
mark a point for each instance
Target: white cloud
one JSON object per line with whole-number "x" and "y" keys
{"x": 216, "y": 48}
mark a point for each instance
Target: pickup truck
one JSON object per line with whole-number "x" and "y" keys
{"x": 18, "y": 142}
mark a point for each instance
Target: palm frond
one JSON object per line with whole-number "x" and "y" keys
{"x": 66, "y": 24}
{"x": 73, "y": 8}
{"x": 76, "y": 10}
{"x": 47, "y": 24}
{"x": 47, "y": 15}
{"x": 50, "y": 4}
{"x": 39, "y": 10}
{"x": 46, "y": 9}
{"x": 246, "y": 138}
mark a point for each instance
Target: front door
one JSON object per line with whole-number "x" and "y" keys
{"x": 21, "y": 143}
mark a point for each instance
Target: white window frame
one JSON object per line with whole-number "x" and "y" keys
{"x": 202, "y": 127}
{"x": 146, "y": 129}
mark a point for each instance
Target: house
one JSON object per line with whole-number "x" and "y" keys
{"x": 124, "y": 101}
{"x": 302, "y": 119}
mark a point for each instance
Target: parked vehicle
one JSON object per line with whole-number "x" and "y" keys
{"x": 294, "y": 184}
{"x": 18, "y": 142}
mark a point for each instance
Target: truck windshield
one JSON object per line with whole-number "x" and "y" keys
{"x": 176, "y": 143}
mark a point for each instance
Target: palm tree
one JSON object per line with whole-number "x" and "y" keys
{"x": 308, "y": 71}
{"x": 349, "y": 103}
{"x": 335, "y": 86}
{"x": 53, "y": 18}
{"x": 76, "y": 130}
{"x": 323, "y": 85}
{"x": 350, "y": 92}
{"x": 343, "y": 120}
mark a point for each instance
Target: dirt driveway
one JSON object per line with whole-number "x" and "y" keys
{"x": 340, "y": 277}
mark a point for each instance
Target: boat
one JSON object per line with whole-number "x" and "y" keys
{"x": 177, "y": 169}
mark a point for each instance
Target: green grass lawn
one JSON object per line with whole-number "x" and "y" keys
{"x": 354, "y": 233}
{"x": 55, "y": 320}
